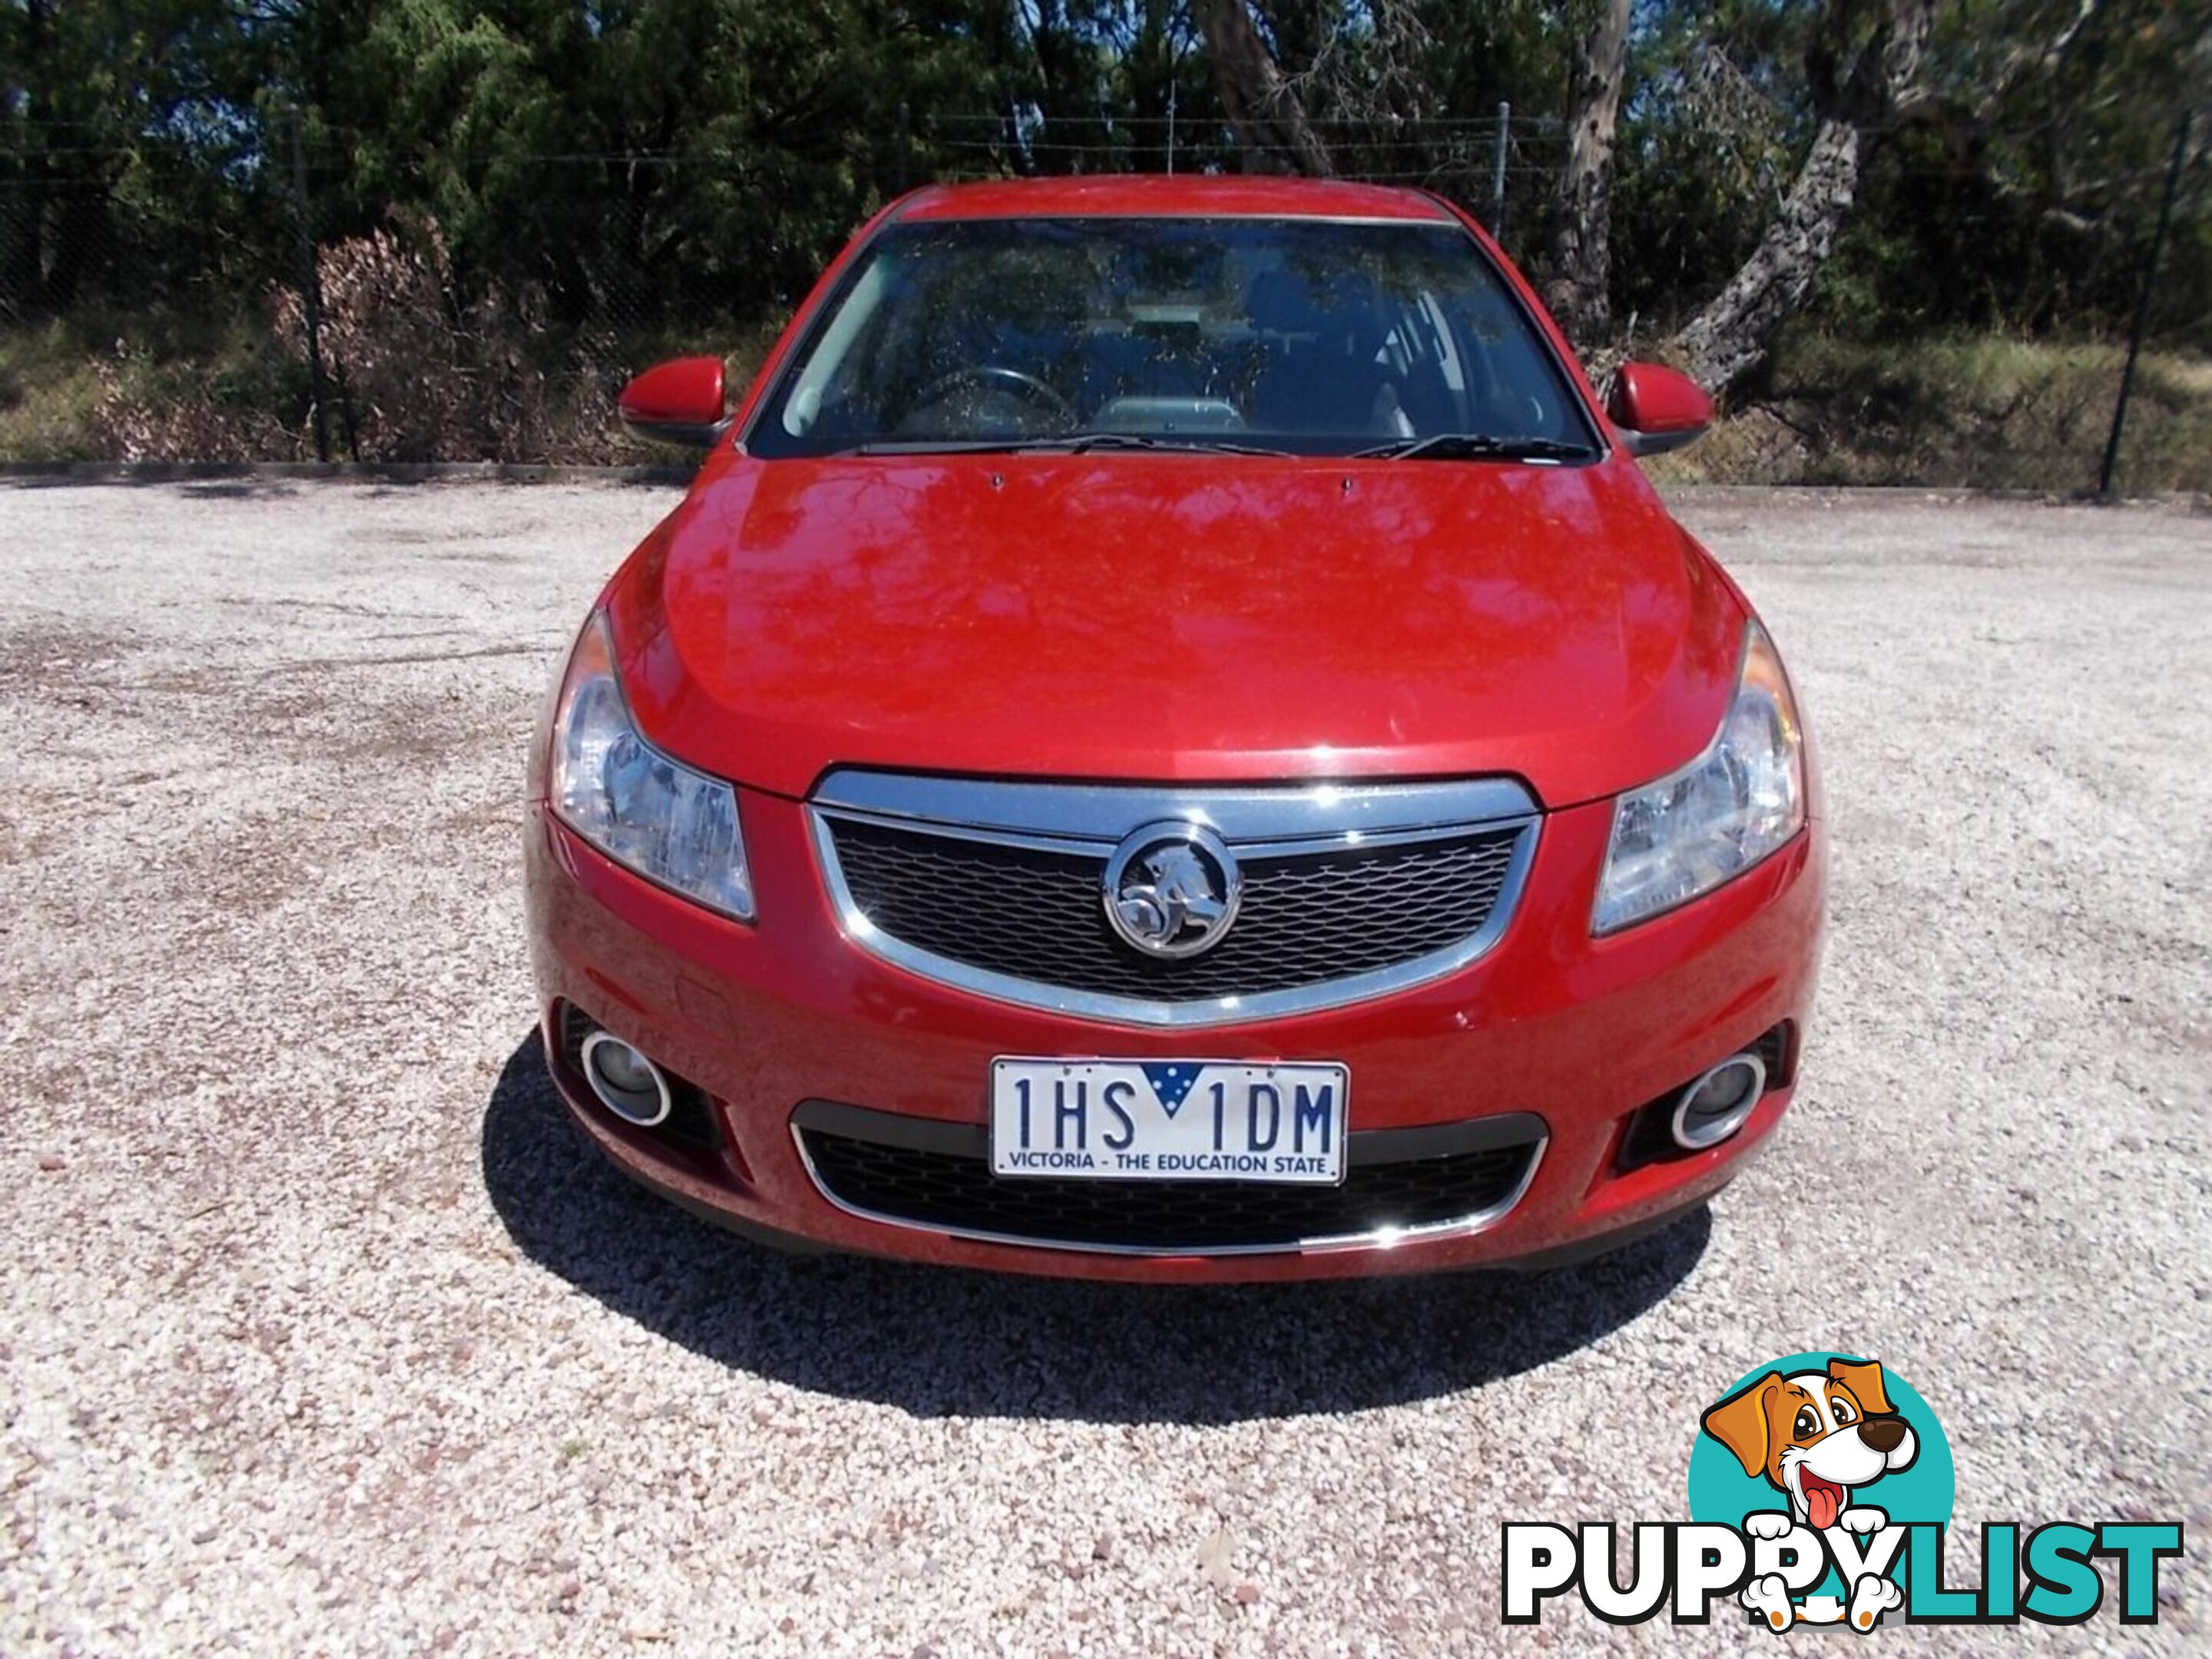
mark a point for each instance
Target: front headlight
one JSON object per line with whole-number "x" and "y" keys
{"x": 667, "y": 821}
{"x": 1721, "y": 814}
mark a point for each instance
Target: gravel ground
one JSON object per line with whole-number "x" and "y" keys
{"x": 319, "y": 1332}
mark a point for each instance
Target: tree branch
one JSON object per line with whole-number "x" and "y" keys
{"x": 1264, "y": 109}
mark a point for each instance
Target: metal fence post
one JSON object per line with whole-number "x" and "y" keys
{"x": 310, "y": 290}
{"x": 2142, "y": 303}
{"x": 1497, "y": 170}
{"x": 905, "y": 132}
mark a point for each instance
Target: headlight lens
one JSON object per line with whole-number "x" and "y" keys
{"x": 1740, "y": 800}
{"x": 668, "y": 823}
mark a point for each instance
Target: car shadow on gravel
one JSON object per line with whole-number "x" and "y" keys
{"x": 940, "y": 1342}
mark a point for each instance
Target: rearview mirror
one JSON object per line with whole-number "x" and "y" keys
{"x": 682, "y": 401}
{"x": 1656, "y": 409}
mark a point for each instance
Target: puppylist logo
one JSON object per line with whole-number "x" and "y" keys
{"x": 1820, "y": 1488}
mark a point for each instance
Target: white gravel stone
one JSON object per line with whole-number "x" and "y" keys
{"x": 320, "y": 1333}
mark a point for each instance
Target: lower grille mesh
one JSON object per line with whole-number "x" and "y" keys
{"x": 958, "y": 1193}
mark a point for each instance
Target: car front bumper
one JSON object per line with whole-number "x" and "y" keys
{"x": 785, "y": 1021}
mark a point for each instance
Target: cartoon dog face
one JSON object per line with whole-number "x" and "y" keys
{"x": 1816, "y": 1435}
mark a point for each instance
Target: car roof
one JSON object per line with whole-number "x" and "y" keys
{"x": 1142, "y": 195}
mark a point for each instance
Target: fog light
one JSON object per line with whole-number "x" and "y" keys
{"x": 628, "y": 1083}
{"x": 1714, "y": 1107}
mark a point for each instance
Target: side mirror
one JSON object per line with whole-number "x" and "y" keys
{"x": 1657, "y": 409}
{"x": 682, "y": 401}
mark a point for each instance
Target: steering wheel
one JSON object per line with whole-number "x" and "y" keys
{"x": 997, "y": 376}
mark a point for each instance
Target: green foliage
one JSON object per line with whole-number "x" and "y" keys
{"x": 2018, "y": 193}
{"x": 700, "y": 152}
{"x": 1715, "y": 121}
{"x": 682, "y": 167}
{"x": 125, "y": 161}
{"x": 2025, "y": 198}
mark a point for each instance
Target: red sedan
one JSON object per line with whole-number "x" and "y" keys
{"x": 1170, "y": 739}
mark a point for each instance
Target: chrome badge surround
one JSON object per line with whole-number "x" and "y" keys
{"x": 1252, "y": 821}
{"x": 1171, "y": 890}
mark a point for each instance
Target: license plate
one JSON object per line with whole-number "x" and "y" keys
{"x": 1169, "y": 1120}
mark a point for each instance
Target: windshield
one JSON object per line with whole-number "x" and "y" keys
{"x": 1308, "y": 337}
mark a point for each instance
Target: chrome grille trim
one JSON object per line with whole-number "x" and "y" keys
{"x": 1087, "y": 820}
{"x": 1248, "y": 815}
{"x": 1373, "y": 1238}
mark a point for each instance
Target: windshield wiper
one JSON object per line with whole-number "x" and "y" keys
{"x": 1475, "y": 447}
{"x": 1160, "y": 441}
{"x": 1069, "y": 443}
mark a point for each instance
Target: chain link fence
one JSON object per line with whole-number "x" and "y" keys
{"x": 327, "y": 302}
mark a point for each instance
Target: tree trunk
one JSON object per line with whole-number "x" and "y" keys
{"x": 1726, "y": 340}
{"x": 1271, "y": 123}
{"x": 24, "y": 207}
{"x": 22, "y": 248}
{"x": 1582, "y": 241}
{"x": 1731, "y": 335}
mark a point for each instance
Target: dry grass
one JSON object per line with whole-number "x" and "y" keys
{"x": 413, "y": 374}
{"x": 1982, "y": 412}
{"x": 50, "y": 394}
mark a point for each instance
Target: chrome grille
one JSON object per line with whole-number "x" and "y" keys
{"x": 1011, "y": 905}
{"x": 1036, "y": 914}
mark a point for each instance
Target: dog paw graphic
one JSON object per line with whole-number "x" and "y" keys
{"x": 1769, "y": 1597}
{"x": 1862, "y": 1517}
{"x": 1871, "y": 1597}
{"x": 1768, "y": 1523}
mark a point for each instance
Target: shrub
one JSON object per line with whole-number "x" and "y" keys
{"x": 414, "y": 372}
{"x": 420, "y": 372}
{"x": 243, "y": 402}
